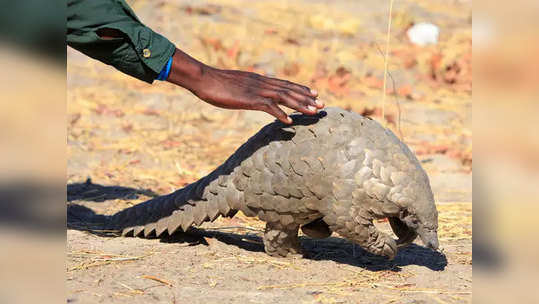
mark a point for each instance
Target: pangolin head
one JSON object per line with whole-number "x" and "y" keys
{"x": 418, "y": 218}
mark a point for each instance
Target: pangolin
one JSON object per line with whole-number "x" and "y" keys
{"x": 336, "y": 171}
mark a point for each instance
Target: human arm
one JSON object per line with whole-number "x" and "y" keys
{"x": 109, "y": 31}
{"x": 232, "y": 89}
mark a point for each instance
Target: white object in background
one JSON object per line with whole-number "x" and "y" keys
{"x": 423, "y": 34}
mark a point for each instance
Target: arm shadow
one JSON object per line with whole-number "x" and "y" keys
{"x": 79, "y": 195}
{"x": 89, "y": 191}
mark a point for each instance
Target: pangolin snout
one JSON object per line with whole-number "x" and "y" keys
{"x": 429, "y": 238}
{"x": 432, "y": 244}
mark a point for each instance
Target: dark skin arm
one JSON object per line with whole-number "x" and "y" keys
{"x": 237, "y": 89}
{"x": 242, "y": 90}
{"x": 231, "y": 89}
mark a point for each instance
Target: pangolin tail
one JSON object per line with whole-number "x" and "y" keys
{"x": 204, "y": 200}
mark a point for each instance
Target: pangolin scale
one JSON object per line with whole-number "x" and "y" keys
{"x": 336, "y": 171}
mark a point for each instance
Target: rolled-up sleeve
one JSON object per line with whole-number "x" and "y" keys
{"x": 140, "y": 52}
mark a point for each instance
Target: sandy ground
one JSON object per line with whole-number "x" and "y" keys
{"x": 134, "y": 140}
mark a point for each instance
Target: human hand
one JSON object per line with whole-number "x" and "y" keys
{"x": 242, "y": 90}
{"x": 250, "y": 91}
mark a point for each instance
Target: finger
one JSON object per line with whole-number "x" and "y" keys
{"x": 306, "y": 100}
{"x": 319, "y": 103}
{"x": 274, "y": 110}
{"x": 282, "y": 97}
{"x": 311, "y": 97}
{"x": 301, "y": 97}
{"x": 293, "y": 86}
{"x": 288, "y": 101}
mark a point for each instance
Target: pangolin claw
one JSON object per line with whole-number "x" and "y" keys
{"x": 405, "y": 234}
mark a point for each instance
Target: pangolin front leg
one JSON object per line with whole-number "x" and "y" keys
{"x": 379, "y": 243}
{"x": 370, "y": 238}
{"x": 406, "y": 234}
{"x": 280, "y": 240}
{"x": 358, "y": 227}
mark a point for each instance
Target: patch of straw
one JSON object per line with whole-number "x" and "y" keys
{"x": 100, "y": 259}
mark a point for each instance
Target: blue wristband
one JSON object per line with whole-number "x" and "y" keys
{"x": 165, "y": 71}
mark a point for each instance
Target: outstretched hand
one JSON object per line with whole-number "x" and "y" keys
{"x": 242, "y": 90}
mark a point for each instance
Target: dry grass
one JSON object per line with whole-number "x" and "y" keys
{"x": 88, "y": 259}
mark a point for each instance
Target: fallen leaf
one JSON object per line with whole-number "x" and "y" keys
{"x": 376, "y": 111}
{"x": 74, "y": 118}
{"x": 127, "y": 127}
{"x": 103, "y": 109}
{"x": 405, "y": 91}
{"x": 233, "y": 51}
{"x": 270, "y": 31}
{"x": 373, "y": 82}
{"x": 337, "y": 83}
{"x": 167, "y": 144}
{"x": 292, "y": 41}
{"x": 291, "y": 69}
{"x": 150, "y": 112}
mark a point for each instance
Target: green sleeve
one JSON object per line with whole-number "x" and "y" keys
{"x": 141, "y": 52}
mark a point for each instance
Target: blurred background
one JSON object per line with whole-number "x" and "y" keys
{"x": 32, "y": 151}
{"x": 120, "y": 131}
{"x": 506, "y": 96}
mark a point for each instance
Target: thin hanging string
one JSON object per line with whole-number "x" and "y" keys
{"x": 385, "y": 64}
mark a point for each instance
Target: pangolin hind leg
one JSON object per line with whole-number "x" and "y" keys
{"x": 280, "y": 240}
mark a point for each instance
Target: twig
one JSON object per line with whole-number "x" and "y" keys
{"x": 397, "y": 102}
{"x": 131, "y": 288}
{"x": 232, "y": 227}
{"x": 433, "y": 291}
{"x": 151, "y": 277}
{"x": 385, "y": 62}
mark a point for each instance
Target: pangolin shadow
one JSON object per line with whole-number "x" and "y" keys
{"x": 333, "y": 248}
